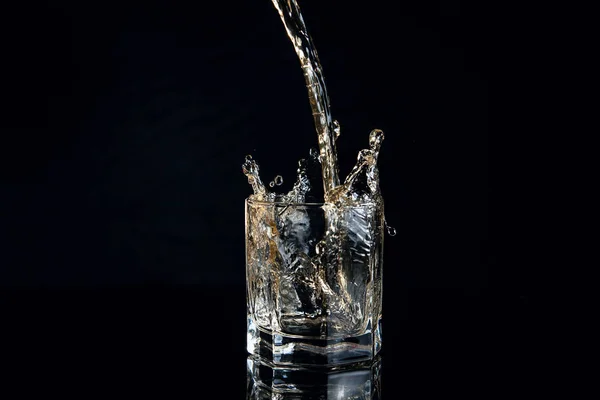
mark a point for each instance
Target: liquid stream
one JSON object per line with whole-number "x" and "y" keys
{"x": 310, "y": 281}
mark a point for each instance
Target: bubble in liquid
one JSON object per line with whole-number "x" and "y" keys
{"x": 271, "y": 184}
{"x": 278, "y": 180}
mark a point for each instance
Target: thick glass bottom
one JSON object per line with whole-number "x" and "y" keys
{"x": 351, "y": 381}
{"x": 285, "y": 349}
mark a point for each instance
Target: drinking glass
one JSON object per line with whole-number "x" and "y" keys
{"x": 314, "y": 281}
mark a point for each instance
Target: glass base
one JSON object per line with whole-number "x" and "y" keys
{"x": 297, "y": 350}
{"x": 360, "y": 380}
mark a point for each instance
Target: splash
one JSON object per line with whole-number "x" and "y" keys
{"x": 353, "y": 190}
{"x": 318, "y": 272}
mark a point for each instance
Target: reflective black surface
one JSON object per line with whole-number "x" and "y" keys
{"x": 117, "y": 112}
{"x": 192, "y": 340}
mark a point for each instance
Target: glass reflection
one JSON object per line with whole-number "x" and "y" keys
{"x": 361, "y": 381}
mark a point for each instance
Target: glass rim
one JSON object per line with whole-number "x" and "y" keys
{"x": 294, "y": 204}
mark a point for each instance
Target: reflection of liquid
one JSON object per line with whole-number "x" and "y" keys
{"x": 360, "y": 381}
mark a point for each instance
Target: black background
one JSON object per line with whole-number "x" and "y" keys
{"x": 124, "y": 129}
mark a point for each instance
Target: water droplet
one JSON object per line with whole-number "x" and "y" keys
{"x": 390, "y": 229}
{"x": 271, "y": 184}
{"x": 279, "y": 180}
{"x": 375, "y": 138}
{"x": 337, "y": 129}
{"x": 314, "y": 155}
